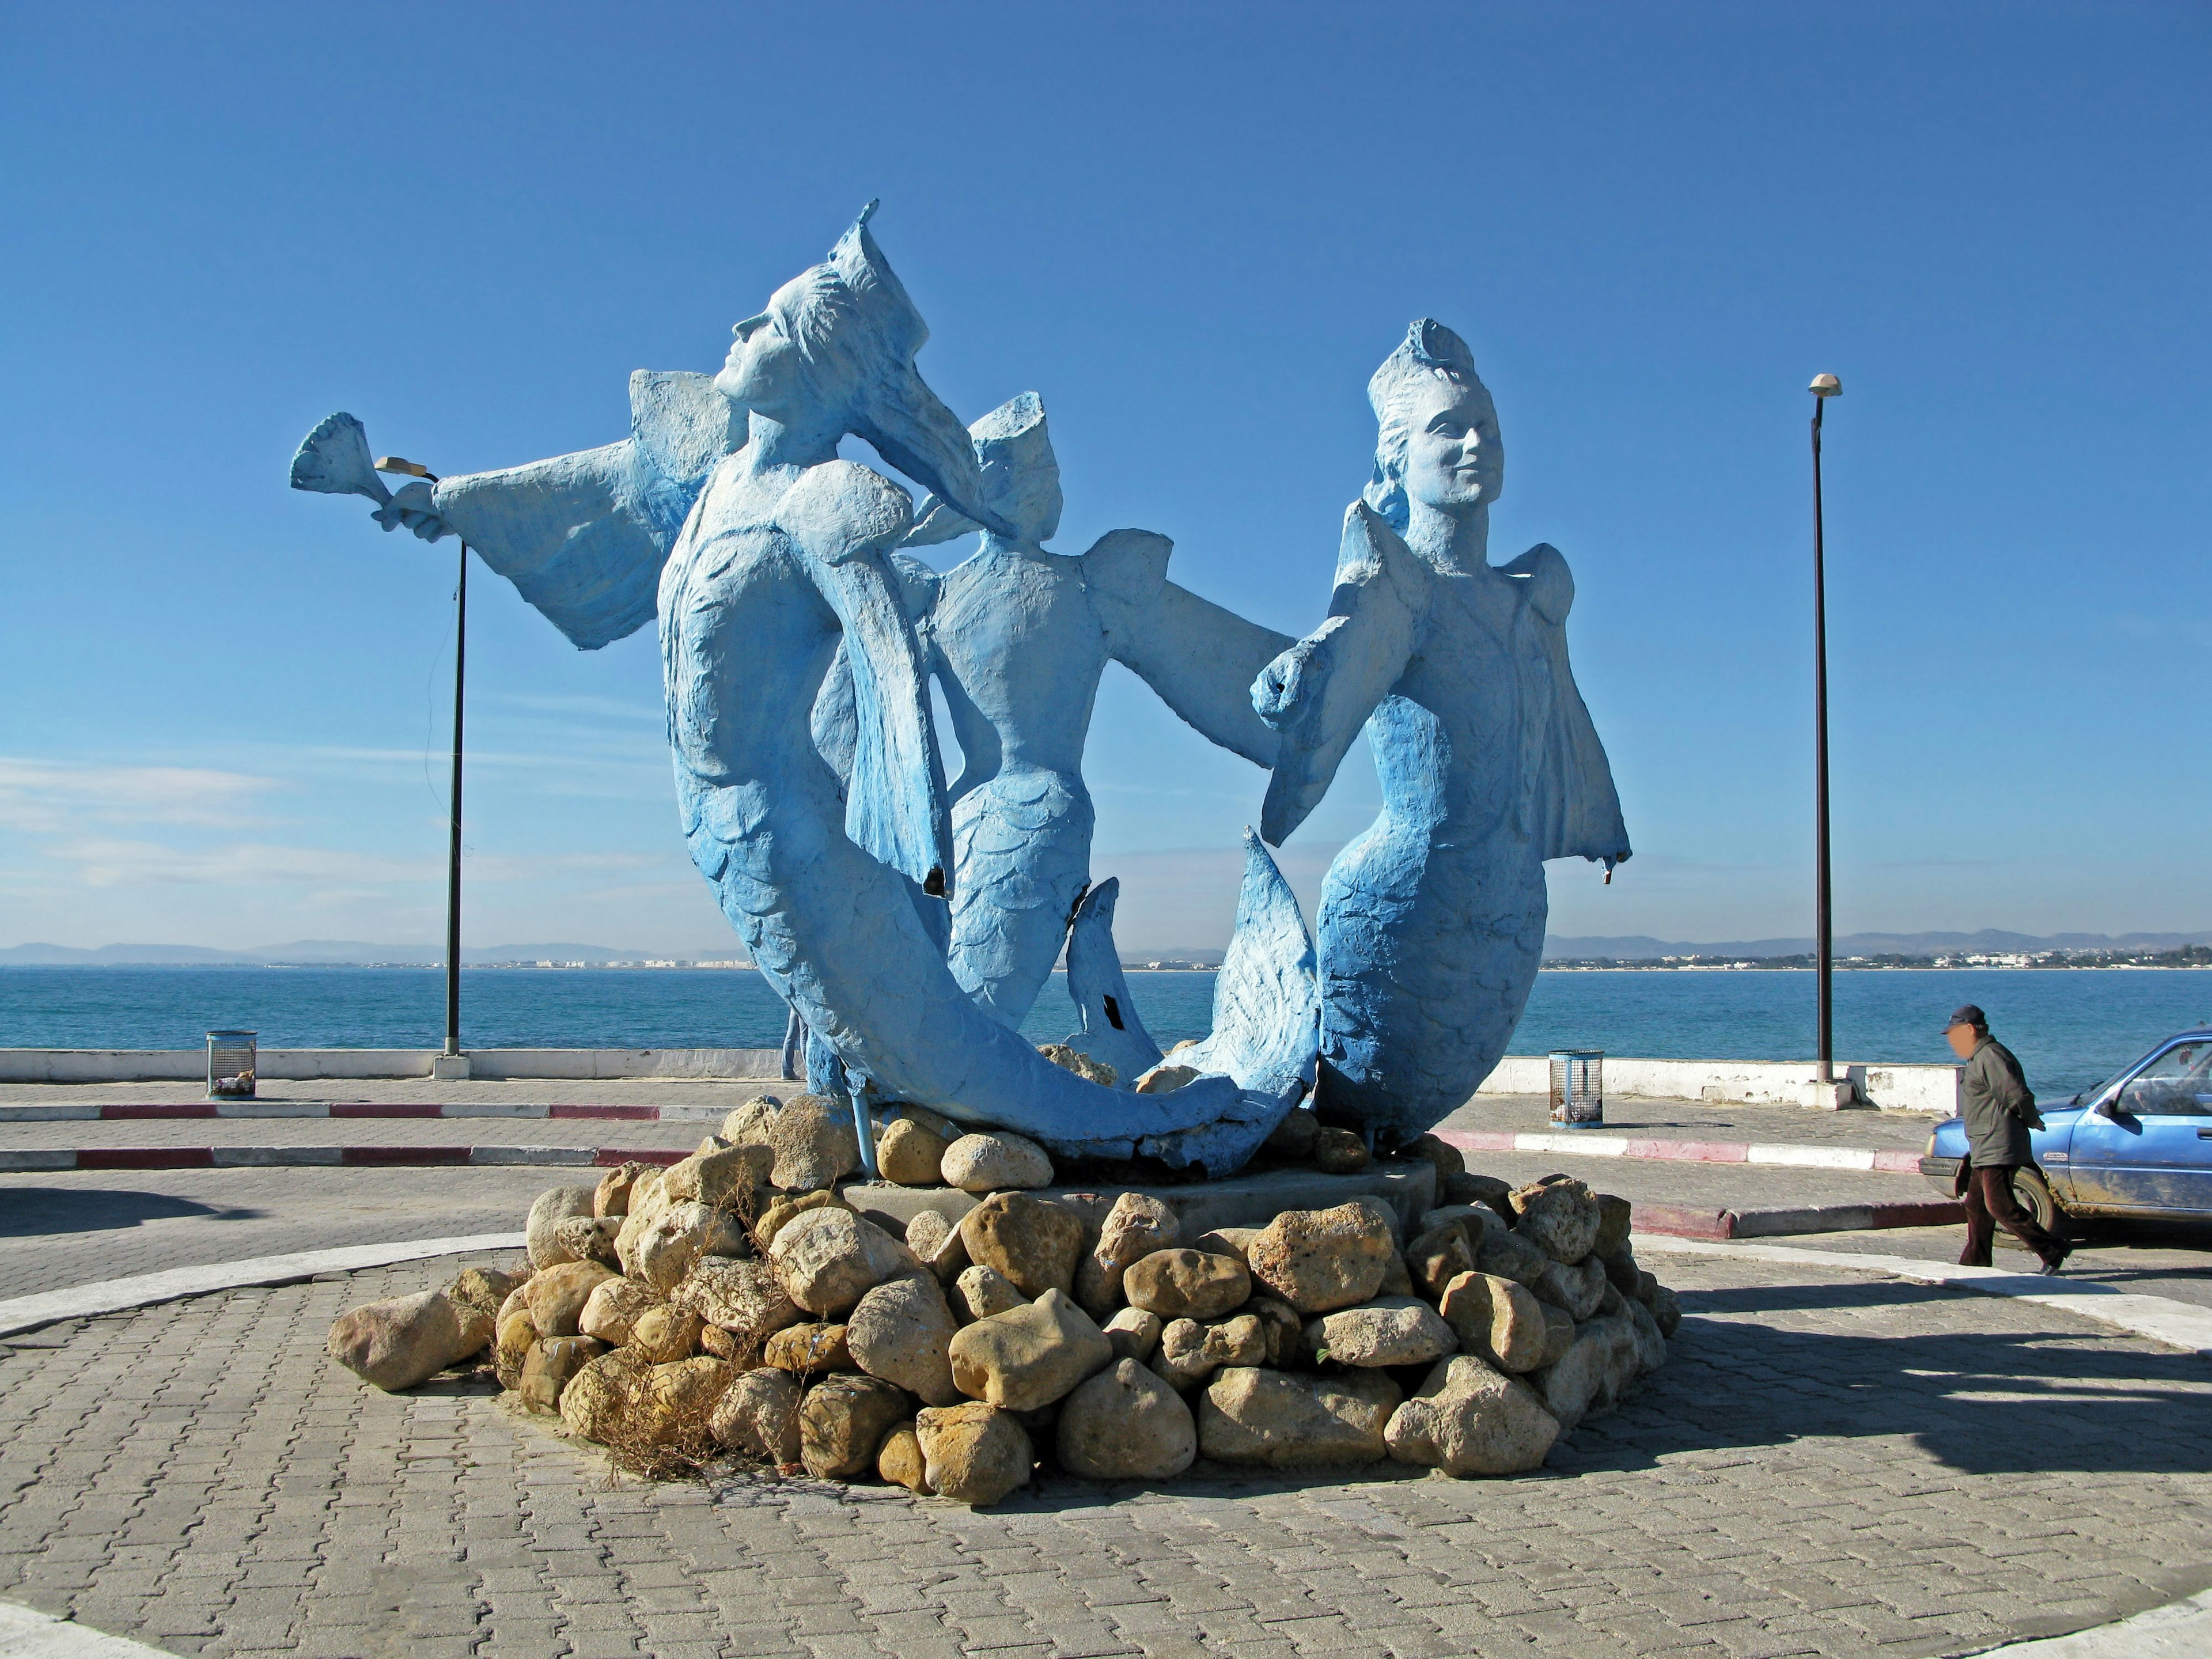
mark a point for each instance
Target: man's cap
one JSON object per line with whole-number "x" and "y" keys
{"x": 1967, "y": 1014}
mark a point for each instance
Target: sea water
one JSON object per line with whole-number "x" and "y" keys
{"x": 2071, "y": 1028}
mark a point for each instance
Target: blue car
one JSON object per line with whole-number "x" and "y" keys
{"x": 2138, "y": 1144}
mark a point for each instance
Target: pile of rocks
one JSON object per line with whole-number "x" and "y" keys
{"x": 737, "y": 1304}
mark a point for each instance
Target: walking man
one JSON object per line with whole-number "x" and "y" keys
{"x": 1999, "y": 1109}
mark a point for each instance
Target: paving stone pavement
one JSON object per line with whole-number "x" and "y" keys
{"x": 1831, "y": 1463}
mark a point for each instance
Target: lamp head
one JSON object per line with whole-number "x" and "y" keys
{"x": 1824, "y": 385}
{"x": 404, "y": 467}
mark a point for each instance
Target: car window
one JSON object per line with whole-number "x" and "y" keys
{"x": 2178, "y": 1084}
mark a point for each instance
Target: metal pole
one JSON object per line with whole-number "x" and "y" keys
{"x": 1821, "y": 922}
{"x": 453, "y": 848}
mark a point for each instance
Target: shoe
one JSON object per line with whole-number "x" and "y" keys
{"x": 2053, "y": 1265}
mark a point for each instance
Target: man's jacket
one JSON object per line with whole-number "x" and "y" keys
{"x": 1999, "y": 1107}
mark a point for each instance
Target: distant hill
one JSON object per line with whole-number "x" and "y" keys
{"x": 336, "y": 952}
{"x": 1640, "y": 946}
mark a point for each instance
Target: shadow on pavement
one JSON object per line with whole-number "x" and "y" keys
{"x": 28, "y": 1212}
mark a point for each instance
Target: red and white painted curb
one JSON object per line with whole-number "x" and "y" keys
{"x": 1677, "y": 1222}
{"x": 134, "y": 1112}
{"x": 354, "y": 1157}
{"x": 1583, "y": 1144}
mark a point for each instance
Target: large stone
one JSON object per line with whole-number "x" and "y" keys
{"x": 995, "y": 1161}
{"x": 1468, "y": 1188}
{"x": 1187, "y": 1285}
{"x": 665, "y": 1334}
{"x": 1075, "y": 1060}
{"x": 899, "y": 1461}
{"x": 1396, "y": 1330}
{"x": 407, "y": 1340}
{"x": 611, "y": 1196}
{"x": 1569, "y": 1386}
{"x": 815, "y": 1145}
{"x": 1476, "y": 1221}
{"x": 1134, "y": 1333}
{"x": 1254, "y": 1416}
{"x": 1181, "y": 1361}
{"x": 1286, "y": 1330}
{"x": 1666, "y": 1309}
{"x": 556, "y": 1296}
{"x": 598, "y": 1396}
{"x": 1614, "y": 1217}
{"x": 1497, "y": 1319}
{"x": 1032, "y": 1241}
{"x": 612, "y": 1309}
{"x": 809, "y": 1349}
{"x": 1239, "y": 1341}
{"x": 1470, "y": 1420}
{"x": 647, "y": 1206}
{"x": 1397, "y": 1280}
{"x": 910, "y": 1155}
{"x": 668, "y": 1424}
{"x": 1560, "y": 1216}
{"x": 830, "y": 1258}
{"x": 1227, "y": 1241}
{"x": 588, "y": 1238}
{"x": 1319, "y": 1261}
{"x": 1166, "y": 1078}
{"x": 1510, "y": 1256}
{"x": 972, "y": 1453}
{"x": 1295, "y": 1137}
{"x": 979, "y": 1292}
{"x": 902, "y": 1332}
{"x": 549, "y": 1364}
{"x": 758, "y": 1415}
{"x": 1438, "y": 1256}
{"x": 1125, "y": 1424}
{"x": 746, "y": 1297}
{"x": 512, "y": 1341}
{"x": 678, "y": 1238}
{"x": 1578, "y": 1288}
{"x": 1651, "y": 1345}
{"x": 486, "y": 1290}
{"x": 842, "y": 1422}
{"x": 749, "y": 1126}
{"x": 1439, "y": 1152}
{"x": 721, "y": 1177}
{"x": 1340, "y": 1151}
{"x": 1028, "y": 1356}
{"x": 548, "y": 1211}
{"x": 935, "y": 1238}
{"x": 1137, "y": 1225}
{"x": 789, "y": 1208}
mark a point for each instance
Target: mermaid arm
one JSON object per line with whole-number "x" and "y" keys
{"x": 1198, "y": 656}
{"x": 1572, "y": 809}
{"x": 583, "y": 537}
{"x": 1319, "y": 693}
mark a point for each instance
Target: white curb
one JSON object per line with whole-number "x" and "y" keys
{"x": 110, "y": 1296}
{"x": 26, "y": 1634}
{"x": 2161, "y": 1318}
{"x": 2179, "y": 1630}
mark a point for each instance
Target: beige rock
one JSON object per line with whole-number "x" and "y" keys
{"x": 512, "y": 1342}
{"x": 1239, "y": 1341}
{"x": 773, "y": 1218}
{"x": 809, "y": 1349}
{"x": 1560, "y": 1216}
{"x": 1070, "y": 1060}
{"x": 995, "y": 1161}
{"x": 911, "y": 1155}
{"x": 1251, "y": 1416}
{"x": 1295, "y": 1137}
{"x": 1470, "y": 1420}
{"x": 1614, "y": 1218}
{"x": 611, "y": 1196}
{"x": 1137, "y": 1225}
{"x": 1509, "y": 1255}
{"x": 902, "y": 1332}
{"x": 667, "y": 1422}
{"x": 830, "y": 1258}
{"x": 588, "y": 1238}
{"x": 979, "y": 1292}
{"x": 407, "y": 1340}
{"x": 1476, "y": 1221}
{"x": 518, "y": 1301}
{"x": 1438, "y": 1256}
{"x": 1578, "y": 1289}
{"x": 548, "y": 1211}
{"x": 486, "y": 1290}
{"x": 758, "y": 1415}
{"x": 1032, "y": 1241}
{"x": 678, "y": 1238}
{"x": 1666, "y": 1309}
{"x": 1650, "y": 1347}
{"x": 749, "y": 1126}
{"x": 842, "y": 1422}
{"x": 1397, "y": 1279}
{"x": 610, "y": 1311}
{"x": 1439, "y": 1152}
{"x": 815, "y": 1146}
{"x": 1393, "y": 1330}
{"x": 901, "y": 1462}
{"x": 1134, "y": 1333}
{"x": 1468, "y": 1188}
{"x": 556, "y": 1296}
{"x": 1181, "y": 1361}
{"x": 723, "y": 1177}
{"x": 1125, "y": 1424}
{"x": 1030, "y": 1356}
{"x": 1497, "y": 1319}
{"x": 747, "y": 1297}
{"x": 647, "y": 1206}
{"x": 1569, "y": 1386}
{"x": 723, "y": 1345}
{"x": 1286, "y": 1330}
{"x": 973, "y": 1453}
{"x": 549, "y": 1364}
{"x": 664, "y": 1335}
{"x": 598, "y": 1396}
{"x": 1319, "y": 1261}
{"x": 1188, "y": 1284}
{"x": 1166, "y": 1078}
{"x": 1227, "y": 1241}
{"x": 935, "y": 1238}
{"x": 1340, "y": 1151}
{"x": 1559, "y": 1334}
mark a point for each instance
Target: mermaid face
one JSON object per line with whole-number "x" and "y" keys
{"x": 1454, "y": 458}
{"x": 766, "y": 370}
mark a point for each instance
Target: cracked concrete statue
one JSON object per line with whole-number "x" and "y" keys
{"x": 822, "y": 821}
{"x": 1431, "y": 923}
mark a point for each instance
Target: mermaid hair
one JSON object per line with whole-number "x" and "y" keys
{"x": 1429, "y": 348}
{"x": 853, "y": 320}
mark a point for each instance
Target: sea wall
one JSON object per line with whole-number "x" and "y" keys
{"x": 1744, "y": 1082}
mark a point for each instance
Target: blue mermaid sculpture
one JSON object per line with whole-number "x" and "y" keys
{"x": 1432, "y": 922}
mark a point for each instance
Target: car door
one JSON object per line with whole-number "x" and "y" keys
{"x": 2148, "y": 1145}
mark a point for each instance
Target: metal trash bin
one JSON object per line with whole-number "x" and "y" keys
{"x": 1578, "y": 1088}
{"x": 231, "y": 1060}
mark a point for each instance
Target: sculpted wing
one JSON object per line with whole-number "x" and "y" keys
{"x": 1571, "y": 807}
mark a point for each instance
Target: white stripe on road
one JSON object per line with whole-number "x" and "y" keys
{"x": 26, "y": 1634}
{"x": 114, "y": 1295}
{"x": 2179, "y": 1630}
{"x": 2161, "y": 1318}
{"x": 1813, "y": 1157}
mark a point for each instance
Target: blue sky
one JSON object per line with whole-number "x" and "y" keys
{"x": 1195, "y": 231}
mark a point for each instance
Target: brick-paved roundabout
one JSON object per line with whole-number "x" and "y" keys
{"x": 1830, "y": 1464}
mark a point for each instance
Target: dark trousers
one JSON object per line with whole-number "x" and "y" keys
{"x": 1991, "y": 1205}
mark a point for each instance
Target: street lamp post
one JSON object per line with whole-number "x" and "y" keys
{"x": 1824, "y": 387}
{"x": 395, "y": 464}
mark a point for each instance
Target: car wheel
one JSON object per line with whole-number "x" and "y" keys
{"x": 2033, "y": 1194}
